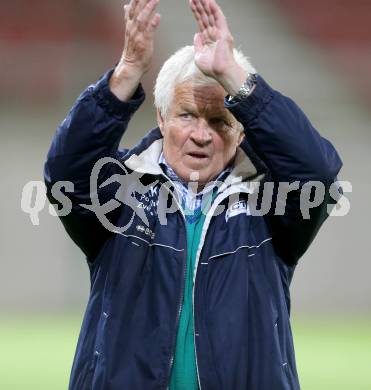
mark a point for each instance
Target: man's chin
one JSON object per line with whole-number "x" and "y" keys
{"x": 195, "y": 174}
{"x": 199, "y": 176}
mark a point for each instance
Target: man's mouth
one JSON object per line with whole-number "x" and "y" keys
{"x": 198, "y": 155}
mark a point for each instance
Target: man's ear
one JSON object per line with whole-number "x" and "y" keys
{"x": 241, "y": 136}
{"x": 160, "y": 121}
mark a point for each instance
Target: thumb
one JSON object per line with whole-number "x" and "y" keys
{"x": 154, "y": 23}
{"x": 197, "y": 41}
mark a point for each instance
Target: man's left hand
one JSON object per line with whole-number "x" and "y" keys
{"x": 214, "y": 46}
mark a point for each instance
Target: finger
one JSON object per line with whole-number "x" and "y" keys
{"x": 126, "y": 12}
{"x": 131, "y": 8}
{"x": 208, "y": 30}
{"x": 153, "y": 24}
{"x": 138, "y": 6}
{"x": 196, "y": 15}
{"x": 207, "y": 12}
{"x": 218, "y": 15}
{"x": 146, "y": 15}
{"x": 212, "y": 35}
{"x": 200, "y": 15}
{"x": 207, "y": 37}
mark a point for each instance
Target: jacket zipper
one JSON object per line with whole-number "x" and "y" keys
{"x": 180, "y": 305}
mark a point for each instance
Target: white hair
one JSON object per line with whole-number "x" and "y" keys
{"x": 181, "y": 67}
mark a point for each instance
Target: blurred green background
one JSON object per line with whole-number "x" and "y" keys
{"x": 37, "y": 351}
{"x": 318, "y": 52}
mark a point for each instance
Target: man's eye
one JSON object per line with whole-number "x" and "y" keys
{"x": 219, "y": 122}
{"x": 186, "y": 115}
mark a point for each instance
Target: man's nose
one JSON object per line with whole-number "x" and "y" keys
{"x": 201, "y": 134}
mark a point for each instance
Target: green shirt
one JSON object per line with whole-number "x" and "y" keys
{"x": 184, "y": 370}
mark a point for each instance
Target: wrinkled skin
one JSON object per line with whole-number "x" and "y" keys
{"x": 200, "y": 134}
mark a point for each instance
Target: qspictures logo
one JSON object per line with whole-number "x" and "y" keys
{"x": 125, "y": 189}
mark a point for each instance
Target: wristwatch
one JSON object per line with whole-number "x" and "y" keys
{"x": 245, "y": 89}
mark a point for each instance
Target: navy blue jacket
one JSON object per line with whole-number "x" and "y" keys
{"x": 244, "y": 264}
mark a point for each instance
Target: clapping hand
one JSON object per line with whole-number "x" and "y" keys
{"x": 214, "y": 46}
{"x": 141, "y": 21}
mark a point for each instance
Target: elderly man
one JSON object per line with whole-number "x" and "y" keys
{"x": 200, "y": 300}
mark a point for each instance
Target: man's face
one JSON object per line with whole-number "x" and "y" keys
{"x": 200, "y": 134}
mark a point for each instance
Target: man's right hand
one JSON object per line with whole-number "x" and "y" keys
{"x": 141, "y": 21}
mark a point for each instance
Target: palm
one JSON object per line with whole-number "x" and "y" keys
{"x": 211, "y": 58}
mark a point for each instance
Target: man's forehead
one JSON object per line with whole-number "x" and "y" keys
{"x": 205, "y": 96}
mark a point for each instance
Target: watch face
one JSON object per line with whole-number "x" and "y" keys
{"x": 244, "y": 91}
{"x": 246, "y": 88}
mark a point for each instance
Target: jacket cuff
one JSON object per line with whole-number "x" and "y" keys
{"x": 247, "y": 110}
{"x": 112, "y": 104}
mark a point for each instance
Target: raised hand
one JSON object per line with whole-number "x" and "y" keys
{"x": 141, "y": 21}
{"x": 214, "y": 46}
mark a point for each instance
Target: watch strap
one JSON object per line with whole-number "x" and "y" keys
{"x": 245, "y": 89}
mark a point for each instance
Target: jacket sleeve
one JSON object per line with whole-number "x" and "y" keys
{"x": 92, "y": 130}
{"x": 293, "y": 151}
